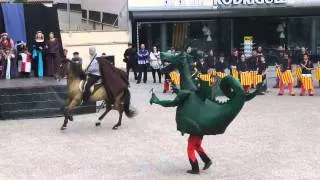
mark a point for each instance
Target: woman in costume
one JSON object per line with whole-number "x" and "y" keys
{"x": 307, "y": 83}
{"x": 52, "y": 55}
{"x": 38, "y": 54}
{"x": 155, "y": 63}
{"x": 8, "y": 58}
{"x": 6, "y": 42}
{"x": 24, "y": 60}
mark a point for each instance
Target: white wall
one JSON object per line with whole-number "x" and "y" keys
{"x": 66, "y": 1}
{"x": 111, "y": 6}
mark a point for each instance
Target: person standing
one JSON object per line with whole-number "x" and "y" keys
{"x": 24, "y": 60}
{"x": 286, "y": 75}
{"x": 278, "y": 57}
{"x": 143, "y": 60}
{"x": 242, "y": 68}
{"x": 262, "y": 68}
{"x": 38, "y": 54}
{"x": 52, "y": 55}
{"x": 155, "y": 63}
{"x": 202, "y": 66}
{"x": 307, "y": 83}
{"x": 130, "y": 58}
{"x": 8, "y": 58}
{"x": 234, "y": 60}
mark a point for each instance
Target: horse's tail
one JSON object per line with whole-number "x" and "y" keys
{"x": 127, "y": 99}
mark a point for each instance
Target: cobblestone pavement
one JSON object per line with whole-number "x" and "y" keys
{"x": 272, "y": 138}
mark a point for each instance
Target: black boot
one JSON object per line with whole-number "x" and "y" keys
{"x": 207, "y": 161}
{"x": 195, "y": 167}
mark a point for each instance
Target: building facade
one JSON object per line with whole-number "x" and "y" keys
{"x": 223, "y": 24}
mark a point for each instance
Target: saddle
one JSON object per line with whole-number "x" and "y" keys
{"x": 94, "y": 87}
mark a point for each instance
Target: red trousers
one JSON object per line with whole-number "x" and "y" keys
{"x": 281, "y": 88}
{"x": 194, "y": 144}
{"x": 166, "y": 86}
{"x": 246, "y": 89}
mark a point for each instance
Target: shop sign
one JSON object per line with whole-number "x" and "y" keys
{"x": 247, "y": 46}
{"x": 247, "y": 2}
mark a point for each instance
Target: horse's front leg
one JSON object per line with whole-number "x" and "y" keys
{"x": 67, "y": 112}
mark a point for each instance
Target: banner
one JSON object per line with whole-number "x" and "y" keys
{"x": 13, "y": 15}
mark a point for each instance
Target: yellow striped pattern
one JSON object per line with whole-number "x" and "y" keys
{"x": 317, "y": 73}
{"x": 235, "y": 73}
{"x": 221, "y": 75}
{"x": 212, "y": 72}
{"x": 307, "y": 82}
{"x": 207, "y": 77}
{"x": 286, "y": 77}
{"x": 299, "y": 73}
{"x": 175, "y": 78}
{"x": 278, "y": 72}
{"x": 245, "y": 78}
{"x": 257, "y": 79}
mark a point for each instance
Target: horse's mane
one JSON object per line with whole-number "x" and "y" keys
{"x": 76, "y": 70}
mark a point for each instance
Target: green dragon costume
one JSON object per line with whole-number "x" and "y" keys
{"x": 198, "y": 111}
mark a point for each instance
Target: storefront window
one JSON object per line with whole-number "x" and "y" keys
{"x": 299, "y": 32}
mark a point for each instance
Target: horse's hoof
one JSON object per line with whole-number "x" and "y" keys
{"x": 98, "y": 123}
{"x": 70, "y": 118}
{"x": 63, "y": 128}
{"x": 115, "y": 128}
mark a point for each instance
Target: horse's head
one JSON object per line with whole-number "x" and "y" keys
{"x": 62, "y": 70}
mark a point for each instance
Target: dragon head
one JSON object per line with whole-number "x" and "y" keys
{"x": 172, "y": 62}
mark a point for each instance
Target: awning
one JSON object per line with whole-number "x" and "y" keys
{"x": 223, "y": 13}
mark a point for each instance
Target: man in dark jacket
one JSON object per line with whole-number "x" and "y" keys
{"x": 130, "y": 58}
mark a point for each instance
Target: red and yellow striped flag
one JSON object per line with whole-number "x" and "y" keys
{"x": 207, "y": 77}
{"x": 245, "y": 78}
{"x": 299, "y": 73}
{"x": 307, "y": 82}
{"x": 257, "y": 79}
{"x": 253, "y": 75}
{"x": 175, "y": 77}
{"x": 221, "y": 75}
{"x": 235, "y": 73}
{"x": 286, "y": 77}
{"x": 212, "y": 72}
{"x": 278, "y": 72}
{"x": 318, "y": 73}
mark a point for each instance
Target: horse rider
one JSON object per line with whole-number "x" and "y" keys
{"x": 93, "y": 71}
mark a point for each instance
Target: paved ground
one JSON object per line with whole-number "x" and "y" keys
{"x": 272, "y": 138}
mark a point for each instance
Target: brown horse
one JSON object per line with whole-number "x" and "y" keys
{"x": 75, "y": 76}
